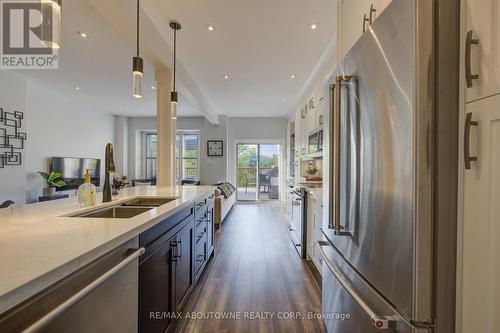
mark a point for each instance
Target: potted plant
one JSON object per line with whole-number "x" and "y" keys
{"x": 312, "y": 171}
{"x": 52, "y": 180}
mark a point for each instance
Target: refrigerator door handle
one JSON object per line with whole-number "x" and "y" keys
{"x": 380, "y": 322}
{"x": 335, "y": 160}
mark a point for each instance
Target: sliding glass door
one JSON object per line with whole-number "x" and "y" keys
{"x": 257, "y": 172}
{"x": 246, "y": 172}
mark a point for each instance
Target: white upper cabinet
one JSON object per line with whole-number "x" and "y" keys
{"x": 482, "y": 48}
{"x": 354, "y": 17}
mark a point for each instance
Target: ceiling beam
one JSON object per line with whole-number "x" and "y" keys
{"x": 154, "y": 47}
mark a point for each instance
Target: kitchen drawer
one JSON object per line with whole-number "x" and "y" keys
{"x": 348, "y": 301}
{"x": 201, "y": 233}
{"x": 200, "y": 216}
{"x": 200, "y": 256}
{"x": 211, "y": 198}
{"x": 154, "y": 237}
{"x": 200, "y": 204}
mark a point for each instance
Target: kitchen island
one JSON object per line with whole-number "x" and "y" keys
{"x": 41, "y": 244}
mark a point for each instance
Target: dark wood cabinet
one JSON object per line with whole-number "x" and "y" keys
{"x": 177, "y": 250}
{"x": 155, "y": 290}
{"x": 184, "y": 277}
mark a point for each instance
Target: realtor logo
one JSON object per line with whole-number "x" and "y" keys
{"x": 30, "y": 34}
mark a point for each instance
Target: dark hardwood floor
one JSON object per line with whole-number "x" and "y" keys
{"x": 255, "y": 271}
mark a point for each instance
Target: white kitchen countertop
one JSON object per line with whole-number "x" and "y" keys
{"x": 39, "y": 245}
{"x": 317, "y": 192}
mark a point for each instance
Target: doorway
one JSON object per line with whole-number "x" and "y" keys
{"x": 257, "y": 172}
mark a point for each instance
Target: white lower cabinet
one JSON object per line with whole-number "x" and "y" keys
{"x": 314, "y": 220}
{"x": 480, "y": 272}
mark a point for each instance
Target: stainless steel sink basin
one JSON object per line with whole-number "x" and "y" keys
{"x": 148, "y": 202}
{"x": 116, "y": 212}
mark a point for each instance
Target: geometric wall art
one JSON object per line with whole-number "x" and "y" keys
{"x": 11, "y": 138}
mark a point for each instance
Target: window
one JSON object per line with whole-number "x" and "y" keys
{"x": 187, "y": 156}
{"x": 151, "y": 165}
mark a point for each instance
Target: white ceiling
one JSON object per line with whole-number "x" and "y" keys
{"x": 258, "y": 43}
{"x": 101, "y": 66}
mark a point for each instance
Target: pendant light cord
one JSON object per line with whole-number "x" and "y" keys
{"x": 175, "y": 53}
{"x": 137, "y": 28}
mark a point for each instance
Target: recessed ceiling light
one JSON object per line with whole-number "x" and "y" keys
{"x": 292, "y": 76}
{"x": 82, "y": 34}
{"x": 76, "y": 87}
{"x": 234, "y": 100}
{"x": 283, "y": 100}
{"x": 210, "y": 27}
{"x": 226, "y": 77}
{"x": 153, "y": 88}
{"x": 314, "y": 26}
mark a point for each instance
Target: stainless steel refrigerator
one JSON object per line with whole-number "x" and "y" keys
{"x": 388, "y": 247}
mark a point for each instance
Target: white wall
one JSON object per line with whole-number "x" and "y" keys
{"x": 121, "y": 144}
{"x": 136, "y": 125}
{"x": 13, "y": 98}
{"x": 256, "y": 130}
{"x": 212, "y": 169}
{"x": 55, "y": 126}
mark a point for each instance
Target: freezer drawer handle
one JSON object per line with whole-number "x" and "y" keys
{"x": 380, "y": 322}
{"x": 42, "y": 322}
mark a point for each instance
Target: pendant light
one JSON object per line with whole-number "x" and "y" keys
{"x": 137, "y": 66}
{"x": 173, "y": 95}
{"x": 50, "y": 33}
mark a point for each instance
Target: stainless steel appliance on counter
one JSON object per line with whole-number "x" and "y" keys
{"x": 315, "y": 142}
{"x": 388, "y": 248}
{"x": 298, "y": 226}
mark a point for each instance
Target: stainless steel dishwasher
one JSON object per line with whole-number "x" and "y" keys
{"x": 100, "y": 297}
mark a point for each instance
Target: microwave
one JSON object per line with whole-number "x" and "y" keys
{"x": 315, "y": 142}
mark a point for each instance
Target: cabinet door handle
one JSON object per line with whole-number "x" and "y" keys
{"x": 469, "y": 41}
{"x": 180, "y": 251}
{"x": 42, "y": 322}
{"x": 372, "y": 11}
{"x": 468, "y": 123}
{"x": 365, "y": 19}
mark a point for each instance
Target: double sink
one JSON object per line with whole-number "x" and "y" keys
{"x": 127, "y": 209}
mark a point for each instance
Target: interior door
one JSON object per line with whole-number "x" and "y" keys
{"x": 482, "y": 20}
{"x": 481, "y": 230}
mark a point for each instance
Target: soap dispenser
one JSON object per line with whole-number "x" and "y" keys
{"x": 86, "y": 192}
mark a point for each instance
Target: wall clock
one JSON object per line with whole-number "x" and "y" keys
{"x": 215, "y": 148}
